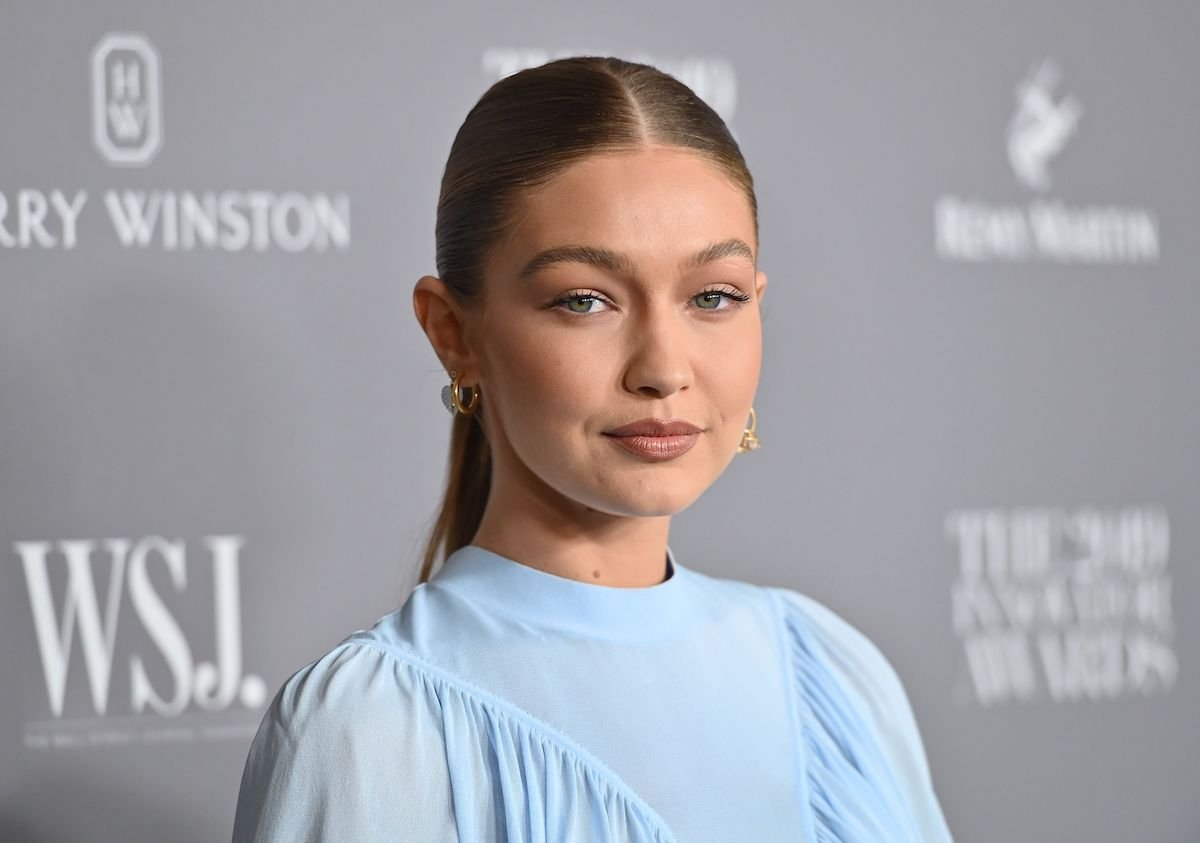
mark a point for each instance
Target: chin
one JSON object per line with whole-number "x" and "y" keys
{"x": 643, "y": 503}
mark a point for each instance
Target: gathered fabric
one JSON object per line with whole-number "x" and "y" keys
{"x": 503, "y": 703}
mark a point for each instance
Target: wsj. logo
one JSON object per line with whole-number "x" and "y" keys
{"x": 1040, "y": 127}
{"x": 212, "y": 687}
{"x": 126, "y": 99}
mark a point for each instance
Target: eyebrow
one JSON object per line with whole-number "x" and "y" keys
{"x": 617, "y": 262}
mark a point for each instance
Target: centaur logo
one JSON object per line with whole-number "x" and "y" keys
{"x": 1040, "y": 127}
{"x": 126, "y": 99}
{"x": 210, "y": 686}
{"x": 1046, "y": 229}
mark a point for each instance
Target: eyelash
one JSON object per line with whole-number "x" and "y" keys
{"x": 737, "y": 299}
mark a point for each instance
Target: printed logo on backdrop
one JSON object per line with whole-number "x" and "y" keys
{"x": 712, "y": 78}
{"x": 126, "y": 100}
{"x": 1048, "y": 227}
{"x": 1063, "y": 605}
{"x": 1040, "y": 127}
{"x": 127, "y": 131}
{"x": 190, "y": 700}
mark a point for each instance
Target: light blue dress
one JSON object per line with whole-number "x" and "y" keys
{"x": 504, "y": 703}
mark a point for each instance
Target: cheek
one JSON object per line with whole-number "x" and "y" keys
{"x": 544, "y": 376}
{"x": 730, "y": 374}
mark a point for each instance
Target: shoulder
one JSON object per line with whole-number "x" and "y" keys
{"x": 854, "y": 658}
{"x": 357, "y": 677}
{"x": 357, "y": 694}
{"x": 340, "y": 738}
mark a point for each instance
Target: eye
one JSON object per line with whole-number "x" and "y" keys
{"x": 582, "y": 302}
{"x": 711, "y": 299}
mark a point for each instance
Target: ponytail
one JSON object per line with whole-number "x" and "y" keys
{"x": 470, "y": 476}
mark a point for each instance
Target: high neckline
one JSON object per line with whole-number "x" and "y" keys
{"x": 539, "y": 597}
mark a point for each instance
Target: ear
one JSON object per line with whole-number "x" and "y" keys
{"x": 443, "y": 321}
{"x": 760, "y": 284}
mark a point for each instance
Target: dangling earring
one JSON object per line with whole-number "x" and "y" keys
{"x": 453, "y": 400}
{"x": 749, "y": 440}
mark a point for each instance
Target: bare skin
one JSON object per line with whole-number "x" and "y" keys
{"x": 576, "y": 350}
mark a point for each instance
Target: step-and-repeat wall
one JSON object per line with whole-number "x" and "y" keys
{"x": 221, "y": 438}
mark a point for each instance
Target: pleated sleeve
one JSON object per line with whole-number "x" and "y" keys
{"x": 869, "y": 777}
{"x": 350, "y": 748}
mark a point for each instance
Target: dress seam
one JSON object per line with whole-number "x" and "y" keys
{"x": 537, "y": 728}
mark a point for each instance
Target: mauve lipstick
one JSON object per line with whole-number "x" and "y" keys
{"x": 656, "y": 439}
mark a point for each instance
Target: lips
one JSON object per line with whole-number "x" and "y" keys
{"x": 656, "y": 439}
{"x": 655, "y": 427}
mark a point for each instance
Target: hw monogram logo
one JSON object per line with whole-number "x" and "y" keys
{"x": 1040, "y": 127}
{"x": 126, "y": 100}
{"x": 212, "y": 686}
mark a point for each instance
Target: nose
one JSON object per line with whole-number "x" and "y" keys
{"x": 659, "y": 363}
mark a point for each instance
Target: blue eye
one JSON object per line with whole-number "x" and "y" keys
{"x": 580, "y": 303}
{"x": 711, "y": 299}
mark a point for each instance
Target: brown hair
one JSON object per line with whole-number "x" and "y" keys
{"x": 526, "y": 129}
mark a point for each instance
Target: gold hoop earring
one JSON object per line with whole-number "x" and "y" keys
{"x": 749, "y": 440}
{"x": 452, "y": 399}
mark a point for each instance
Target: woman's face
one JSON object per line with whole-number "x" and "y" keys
{"x": 652, "y": 314}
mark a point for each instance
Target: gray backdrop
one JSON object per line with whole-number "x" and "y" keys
{"x": 221, "y": 437}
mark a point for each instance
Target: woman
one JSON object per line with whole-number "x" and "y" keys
{"x": 562, "y": 676}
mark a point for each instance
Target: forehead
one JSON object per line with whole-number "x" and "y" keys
{"x": 656, "y": 204}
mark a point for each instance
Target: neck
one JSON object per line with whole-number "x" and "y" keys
{"x": 568, "y": 539}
